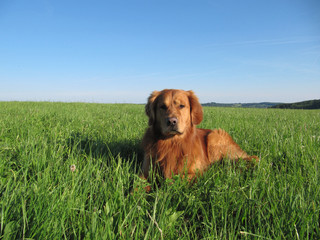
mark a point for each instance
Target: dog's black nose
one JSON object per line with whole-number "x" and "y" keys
{"x": 172, "y": 121}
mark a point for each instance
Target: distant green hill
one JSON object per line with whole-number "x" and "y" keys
{"x": 241, "y": 105}
{"x": 312, "y": 104}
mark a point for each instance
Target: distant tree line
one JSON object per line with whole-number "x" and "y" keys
{"x": 312, "y": 104}
{"x": 241, "y": 105}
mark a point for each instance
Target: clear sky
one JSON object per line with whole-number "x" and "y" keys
{"x": 119, "y": 51}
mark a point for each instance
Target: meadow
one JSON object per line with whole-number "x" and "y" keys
{"x": 68, "y": 170}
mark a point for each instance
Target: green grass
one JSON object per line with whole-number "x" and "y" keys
{"x": 41, "y": 198}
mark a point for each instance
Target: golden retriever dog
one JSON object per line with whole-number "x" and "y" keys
{"x": 174, "y": 144}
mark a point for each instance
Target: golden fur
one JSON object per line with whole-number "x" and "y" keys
{"x": 174, "y": 144}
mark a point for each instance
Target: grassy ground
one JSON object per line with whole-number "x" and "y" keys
{"x": 41, "y": 197}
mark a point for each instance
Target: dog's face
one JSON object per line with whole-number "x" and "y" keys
{"x": 172, "y": 112}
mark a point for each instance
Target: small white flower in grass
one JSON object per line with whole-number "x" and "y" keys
{"x": 73, "y": 168}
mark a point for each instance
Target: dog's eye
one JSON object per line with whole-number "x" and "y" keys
{"x": 164, "y": 107}
{"x": 181, "y": 106}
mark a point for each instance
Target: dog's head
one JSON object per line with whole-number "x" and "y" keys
{"x": 172, "y": 112}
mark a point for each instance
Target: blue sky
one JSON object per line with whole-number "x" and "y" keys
{"x": 119, "y": 51}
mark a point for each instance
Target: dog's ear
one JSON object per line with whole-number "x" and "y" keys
{"x": 150, "y": 106}
{"x": 196, "y": 109}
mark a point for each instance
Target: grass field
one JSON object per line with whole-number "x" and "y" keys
{"x": 43, "y": 197}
